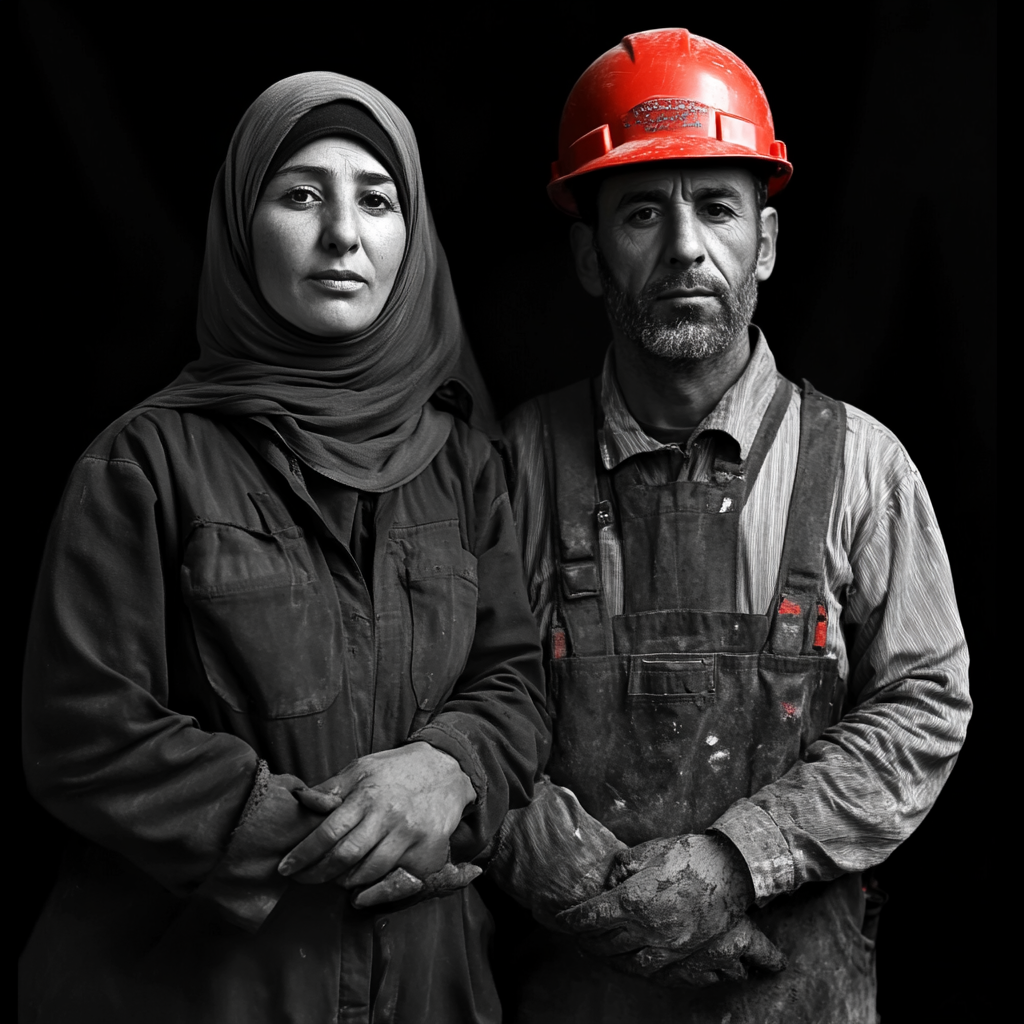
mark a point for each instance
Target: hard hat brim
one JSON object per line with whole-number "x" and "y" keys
{"x": 671, "y": 146}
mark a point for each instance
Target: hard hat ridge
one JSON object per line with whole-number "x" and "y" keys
{"x": 664, "y": 94}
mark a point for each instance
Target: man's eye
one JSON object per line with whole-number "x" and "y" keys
{"x": 717, "y": 210}
{"x": 644, "y": 215}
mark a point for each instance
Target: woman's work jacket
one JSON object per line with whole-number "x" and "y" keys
{"x": 202, "y": 644}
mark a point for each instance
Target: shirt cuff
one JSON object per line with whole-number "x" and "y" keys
{"x": 246, "y": 884}
{"x": 754, "y": 833}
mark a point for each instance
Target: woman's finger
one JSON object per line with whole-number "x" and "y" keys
{"x": 331, "y": 831}
{"x": 395, "y": 885}
{"x": 350, "y": 850}
{"x": 344, "y": 782}
{"x": 379, "y": 861}
{"x": 316, "y": 800}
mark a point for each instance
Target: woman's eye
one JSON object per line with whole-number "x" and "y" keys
{"x": 378, "y": 202}
{"x": 301, "y": 196}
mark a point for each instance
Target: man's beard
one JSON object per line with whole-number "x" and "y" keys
{"x": 691, "y": 332}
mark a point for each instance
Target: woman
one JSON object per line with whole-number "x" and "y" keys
{"x": 295, "y": 567}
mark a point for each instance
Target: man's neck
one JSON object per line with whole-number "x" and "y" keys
{"x": 672, "y": 396}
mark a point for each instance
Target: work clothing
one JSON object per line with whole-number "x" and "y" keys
{"x": 195, "y": 616}
{"x": 298, "y": 553}
{"x": 755, "y": 634}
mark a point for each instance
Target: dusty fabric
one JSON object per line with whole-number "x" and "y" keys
{"x": 692, "y": 688}
{"x": 356, "y": 410}
{"x": 894, "y": 628}
{"x": 195, "y": 616}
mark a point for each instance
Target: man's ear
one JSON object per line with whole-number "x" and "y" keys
{"x": 769, "y": 243}
{"x": 581, "y": 238}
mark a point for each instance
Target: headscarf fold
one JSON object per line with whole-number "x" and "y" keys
{"x": 355, "y": 409}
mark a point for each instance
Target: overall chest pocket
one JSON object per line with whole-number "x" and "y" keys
{"x": 440, "y": 580}
{"x": 267, "y": 628}
{"x": 671, "y": 679}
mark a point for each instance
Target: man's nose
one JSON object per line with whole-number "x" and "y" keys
{"x": 340, "y": 227}
{"x": 684, "y": 246}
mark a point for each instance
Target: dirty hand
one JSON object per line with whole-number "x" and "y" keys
{"x": 551, "y": 854}
{"x": 395, "y": 808}
{"x": 728, "y": 957}
{"x": 676, "y": 893}
{"x": 399, "y": 884}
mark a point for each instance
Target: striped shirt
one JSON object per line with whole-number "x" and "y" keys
{"x": 870, "y": 779}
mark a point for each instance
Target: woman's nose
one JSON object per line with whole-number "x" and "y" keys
{"x": 685, "y": 244}
{"x": 340, "y": 228}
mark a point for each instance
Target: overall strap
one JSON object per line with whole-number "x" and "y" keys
{"x": 570, "y": 448}
{"x": 765, "y": 437}
{"x": 800, "y": 614}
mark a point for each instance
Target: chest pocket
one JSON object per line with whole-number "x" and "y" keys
{"x": 440, "y": 579}
{"x": 268, "y": 629}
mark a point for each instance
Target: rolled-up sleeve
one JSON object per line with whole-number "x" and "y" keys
{"x": 869, "y": 780}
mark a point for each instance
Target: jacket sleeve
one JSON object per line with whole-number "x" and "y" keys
{"x": 869, "y": 781}
{"x": 493, "y": 723}
{"x": 104, "y": 751}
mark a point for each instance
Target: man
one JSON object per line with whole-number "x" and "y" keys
{"x": 757, "y": 672}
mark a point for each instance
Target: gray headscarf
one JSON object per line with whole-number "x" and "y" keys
{"x": 357, "y": 409}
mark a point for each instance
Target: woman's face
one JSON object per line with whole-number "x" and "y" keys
{"x": 328, "y": 238}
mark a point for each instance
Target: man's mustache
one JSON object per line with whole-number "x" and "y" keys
{"x": 689, "y": 280}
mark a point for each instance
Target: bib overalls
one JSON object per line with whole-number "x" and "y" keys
{"x": 668, "y": 713}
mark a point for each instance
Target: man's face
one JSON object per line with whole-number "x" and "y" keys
{"x": 677, "y": 255}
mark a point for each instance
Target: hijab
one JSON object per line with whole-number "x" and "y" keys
{"x": 355, "y": 409}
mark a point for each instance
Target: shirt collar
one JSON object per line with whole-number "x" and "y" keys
{"x": 739, "y": 413}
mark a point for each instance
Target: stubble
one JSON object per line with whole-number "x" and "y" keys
{"x": 691, "y": 332}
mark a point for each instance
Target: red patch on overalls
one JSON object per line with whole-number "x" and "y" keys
{"x": 821, "y": 630}
{"x": 790, "y": 709}
{"x": 788, "y": 607}
{"x": 558, "y": 646}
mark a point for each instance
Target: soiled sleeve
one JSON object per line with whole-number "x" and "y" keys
{"x": 105, "y": 752}
{"x": 493, "y": 722}
{"x": 869, "y": 781}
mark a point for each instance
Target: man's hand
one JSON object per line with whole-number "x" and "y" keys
{"x": 396, "y": 808}
{"x": 675, "y": 894}
{"x": 728, "y": 957}
{"x": 551, "y": 854}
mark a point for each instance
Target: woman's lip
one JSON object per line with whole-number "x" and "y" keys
{"x": 337, "y": 275}
{"x": 334, "y": 284}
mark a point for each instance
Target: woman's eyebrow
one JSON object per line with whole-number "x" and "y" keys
{"x": 366, "y": 177}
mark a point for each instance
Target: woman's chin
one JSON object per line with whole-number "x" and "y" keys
{"x": 328, "y": 328}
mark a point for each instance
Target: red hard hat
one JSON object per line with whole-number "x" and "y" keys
{"x": 664, "y": 95}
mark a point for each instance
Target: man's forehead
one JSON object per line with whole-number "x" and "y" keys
{"x": 694, "y": 175}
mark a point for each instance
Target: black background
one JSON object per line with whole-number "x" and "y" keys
{"x": 884, "y": 293}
